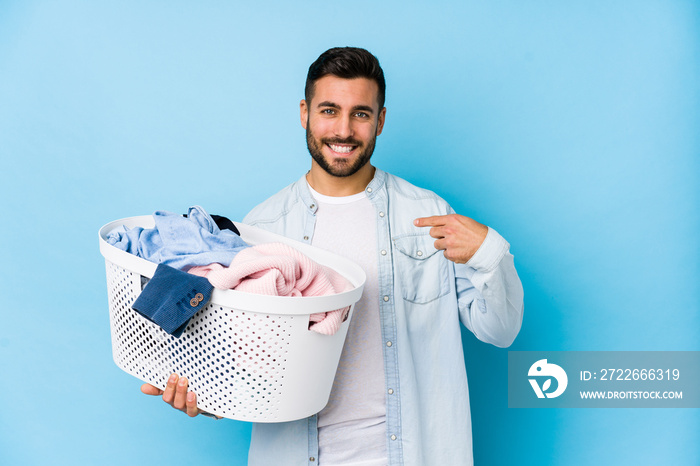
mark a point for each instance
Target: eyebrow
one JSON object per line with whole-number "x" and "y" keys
{"x": 364, "y": 108}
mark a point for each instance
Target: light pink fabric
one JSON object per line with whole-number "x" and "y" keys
{"x": 280, "y": 270}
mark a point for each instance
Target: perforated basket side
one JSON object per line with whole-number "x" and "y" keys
{"x": 243, "y": 365}
{"x": 236, "y": 361}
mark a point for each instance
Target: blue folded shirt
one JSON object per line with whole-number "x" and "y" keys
{"x": 172, "y": 297}
{"x": 180, "y": 242}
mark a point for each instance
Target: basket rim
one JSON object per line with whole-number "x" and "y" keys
{"x": 251, "y": 302}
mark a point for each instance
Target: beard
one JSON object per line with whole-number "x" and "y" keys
{"x": 339, "y": 167}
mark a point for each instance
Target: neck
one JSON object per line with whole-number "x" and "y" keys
{"x": 338, "y": 186}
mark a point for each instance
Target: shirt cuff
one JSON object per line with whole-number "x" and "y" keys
{"x": 490, "y": 252}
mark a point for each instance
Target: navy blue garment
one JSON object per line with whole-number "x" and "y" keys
{"x": 172, "y": 297}
{"x": 225, "y": 224}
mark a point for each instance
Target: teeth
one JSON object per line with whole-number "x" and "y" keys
{"x": 341, "y": 149}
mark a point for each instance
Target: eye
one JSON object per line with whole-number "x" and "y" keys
{"x": 361, "y": 115}
{"x": 328, "y": 111}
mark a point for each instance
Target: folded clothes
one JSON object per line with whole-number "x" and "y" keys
{"x": 210, "y": 246}
{"x": 172, "y": 297}
{"x": 180, "y": 242}
{"x": 280, "y": 270}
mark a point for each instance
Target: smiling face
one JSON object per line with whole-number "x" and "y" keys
{"x": 342, "y": 122}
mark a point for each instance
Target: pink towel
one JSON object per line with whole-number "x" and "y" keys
{"x": 280, "y": 270}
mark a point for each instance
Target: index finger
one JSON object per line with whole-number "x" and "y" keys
{"x": 434, "y": 221}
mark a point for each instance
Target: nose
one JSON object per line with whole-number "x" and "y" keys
{"x": 343, "y": 127}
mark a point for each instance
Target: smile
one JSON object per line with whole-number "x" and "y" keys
{"x": 341, "y": 149}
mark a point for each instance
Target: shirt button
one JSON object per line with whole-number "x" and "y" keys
{"x": 420, "y": 253}
{"x": 381, "y": 214}
{"x": 393, "y": 437}
{"x": 391, "y": 391}
{"x": 388, "y": 343}
{"x": 306, "y": 238}
{"x": 369, "y": 190}
{"x": 386, "y": 298}
{"x": 312, "y": 459}
{"x": 312, "y": 206}
{"x": 383, "y": 252}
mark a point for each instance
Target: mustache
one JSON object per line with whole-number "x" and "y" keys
{"x": 350, "y": 141}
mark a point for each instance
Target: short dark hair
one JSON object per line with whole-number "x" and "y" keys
{"x": 346, "y": 63}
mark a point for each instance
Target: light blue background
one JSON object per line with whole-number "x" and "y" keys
{"x": 570, "y": 127}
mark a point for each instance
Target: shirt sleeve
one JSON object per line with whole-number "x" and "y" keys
{"x": 489, "y": 292}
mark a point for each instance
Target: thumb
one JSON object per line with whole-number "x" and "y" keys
{"x": 149, "y": 389}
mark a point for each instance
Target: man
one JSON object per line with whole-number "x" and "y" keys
{"x": 400, "y": 395}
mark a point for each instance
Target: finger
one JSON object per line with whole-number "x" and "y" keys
{"x": 437, "y": 232}
{"x": 149, "y": 389}
{"x": 192, "y": 410}
{"x": 180, "y": 394}
{"x": 435, "y": 220}
{"x": 169, "y": 393}
{"x": 440, "y": 244}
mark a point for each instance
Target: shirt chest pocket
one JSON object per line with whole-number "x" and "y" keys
{"x": 420, "y": 268}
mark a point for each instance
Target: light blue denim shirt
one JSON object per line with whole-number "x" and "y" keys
{"x": 423, "y": 297}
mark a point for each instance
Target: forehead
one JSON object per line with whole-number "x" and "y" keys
{"x": 346, "y": 92}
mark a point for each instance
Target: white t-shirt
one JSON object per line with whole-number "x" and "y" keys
{"x": 352, "y": 427}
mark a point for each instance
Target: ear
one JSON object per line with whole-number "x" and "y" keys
{"x": 303, "y": 113}
{"x": 380, "y": 120}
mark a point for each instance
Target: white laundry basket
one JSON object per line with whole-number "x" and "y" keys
{"x": 248, "y": 357}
